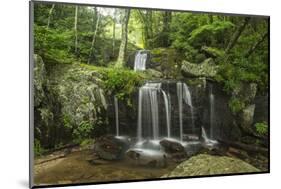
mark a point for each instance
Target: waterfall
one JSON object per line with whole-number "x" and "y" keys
{"x": 212, "y": 112}
{"x": 188, "y": 100}
{"x": 208, "y": 141}
{"x": 148, "y": 111}
{"x": 179, "y": 93}
{"x": 116, "y": 115}
{"x": 140, "y": 60}
{"x": 168, "y": 113}
{"x": 183, "y": 93}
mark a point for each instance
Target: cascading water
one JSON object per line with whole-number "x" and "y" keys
{"x": 179, "y": 93}
{"x": 183, "y": 93}
{"x": 206, "y": 139}
{"x": 168, "y": 113}
{"x": 140, "y": 60}
{"x": 212, "y": 112}
{"x": 148, "y": 111}
{"x": 188, "y": 100}
{"x": 116, "y": 115}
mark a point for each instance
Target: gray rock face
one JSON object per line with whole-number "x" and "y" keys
{"x": 246, "y": 92}
{"x": 205, "y": 69}
{"x": 39, "y": 79}
{"x": 247, "y": 116}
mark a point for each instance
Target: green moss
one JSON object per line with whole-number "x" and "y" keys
{"x": 236, "y": 105}
{"x": 261, "y": 128}
{"x": 121, "y": 82}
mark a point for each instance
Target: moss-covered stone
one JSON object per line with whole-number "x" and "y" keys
{"x": 206, "y": 69}
{"x": 204, "y": 164}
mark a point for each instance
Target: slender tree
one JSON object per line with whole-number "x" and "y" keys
{"x": 94, "y": 36}
{"x": 167, "y": 17}
{"x": 256, "y": 45}
{"x": 50, "y": 15}
{"x": 123, "y": 46}
{"x": 236, "y": 35}
{"x": 75, "y": 29}
{"x": 113, "y": 31}
{"x": 146, "y": 19}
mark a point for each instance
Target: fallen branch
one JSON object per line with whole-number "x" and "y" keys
{"x": 38, "y": 162}
{"x": 246, "y": 147}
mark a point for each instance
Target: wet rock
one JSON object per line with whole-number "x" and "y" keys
{"x": 111, "y": 147}
{"x": 174, "y": 149}
{"x": 146, "y": 157}
{"x": 192, "y": 148}
{"x": 205, "y": 69}
{"x": 205, "y": 164}
{"x": 171, "y": 146}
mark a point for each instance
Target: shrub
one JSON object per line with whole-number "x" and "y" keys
{"x": 38, "y": 150}
{"x": 261, "y": 128}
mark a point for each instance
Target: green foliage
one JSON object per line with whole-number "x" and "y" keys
{"x": 236, "y": 105}
{"x": 83, "y": 131}
{"x": 209, "y": 31}
{"x": 122, "y": 82}
{"x": 214, "y": 52}
{"x": 261, "y": 128}
{"x": 38, "y": 149}
{"x": 85, "y": 144}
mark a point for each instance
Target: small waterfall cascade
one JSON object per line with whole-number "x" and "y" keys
{"x": 184, "y": 94}
{"x": 140, "y": 60}
{"x": 188, "y": 100}
{"x": 148, "y": 111}
{"x": 179, "y": 93}
{"x": 212, "y": 112}
{"x": 168, "y": 112}
{"x": 116, "y": 115}
{"x": 206, "y": 139}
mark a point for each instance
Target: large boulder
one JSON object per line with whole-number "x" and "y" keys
{"x": 204, "y": 164}
{"x": 111, "y": 147}
{"x": 174, "y": 149}
{"x": 205, "y": 69}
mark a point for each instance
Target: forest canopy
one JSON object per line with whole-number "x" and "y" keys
{"x": 103, "y": 36}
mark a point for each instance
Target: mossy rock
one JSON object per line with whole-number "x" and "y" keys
{"x": 205, "y": 69}
{"x": 204, "y": 164}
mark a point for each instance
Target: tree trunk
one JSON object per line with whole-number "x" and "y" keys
{"x": 167, "y": 17}
{"x": 123, "y": 45}
{"x": 50, "y": 14}
{"x": 236, "y": 35}
{"x": 113, "y": 33}
{"x": 94, "y": 38}
{"x": 255, "y": 46}
{"x": 75, "y": 29}
{"x": 146, "y": 19}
